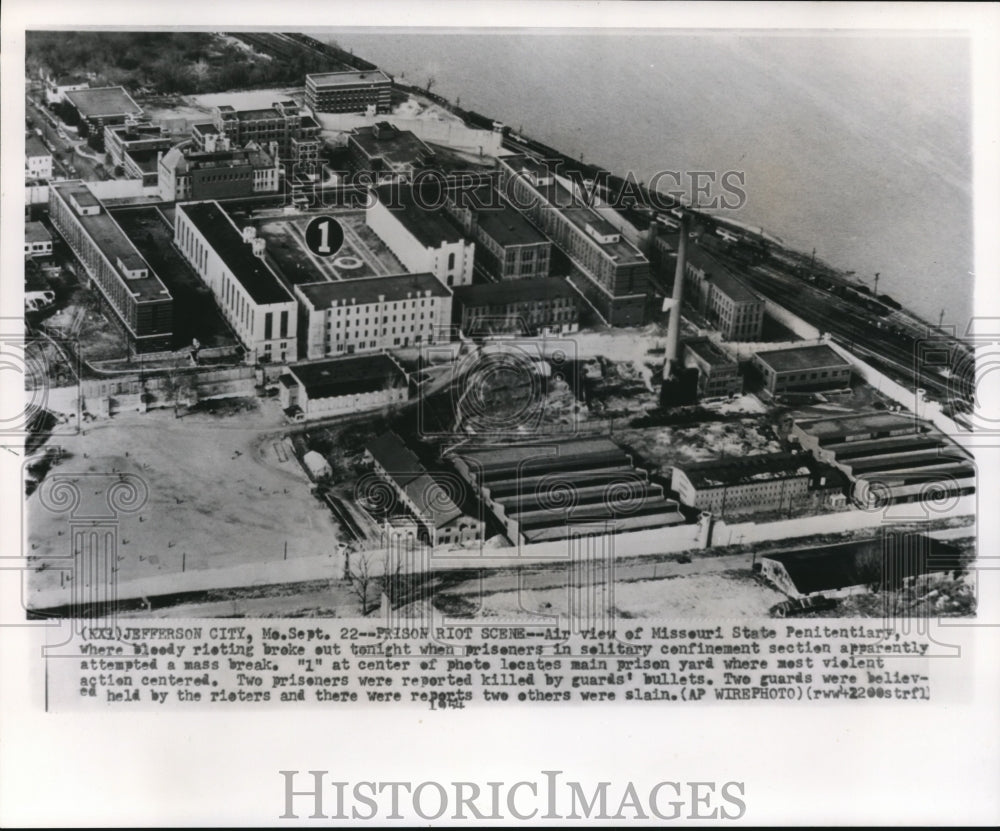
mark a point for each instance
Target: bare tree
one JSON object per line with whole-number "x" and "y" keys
{"x": 363, "y": 584}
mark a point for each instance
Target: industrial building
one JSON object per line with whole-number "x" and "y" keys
{"x": 508, "y": 247}
{"x": 803, "y": 369}
{"x": 219, "y": 171}
{"x": 251, "y": 297}
{"x": 615, "y": 273}
{"x": 321, "y": 389}
{"x": 297, "y": 134}
{"x": 441, "y": 520}
{"x": 890, "y": 458}
{"x": 98, "y": 108}
{"x": 421, "y": 237}
{"x": 352, "y": 91}
{"x": 884, "y": 563}
{"x": 757, "y": 484}
{"x": 564, "y": 487}
{"x": 725, "y": 300}
{"x": 37, "y": 159}
{"x": 140, "y": 302}
{"x": 718, "y": 374}
{"x": 546, "y": 305}
{"x": 373, "y": 314}
{"x": 385, "y": 151}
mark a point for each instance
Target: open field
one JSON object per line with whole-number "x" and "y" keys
{"x": 219, "y": 495}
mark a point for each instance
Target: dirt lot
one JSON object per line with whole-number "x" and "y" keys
{"x": 218, "y": 494}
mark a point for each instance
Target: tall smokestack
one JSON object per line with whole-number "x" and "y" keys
{"x": 674, "y": 324}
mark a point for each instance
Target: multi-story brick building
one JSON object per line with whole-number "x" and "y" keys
{"x": 133, "y": 136}
{"x": 508, "y": 247}
{"x": 353, "y": 91}
{"x": 386, "y": 152}
{"x": 421, "y": 237}
{"x": 231, "y": 262}
{"x": 615, "y": 273}
{"x": 141, "y": 304}
{"x": 296, "y": 133}
{"x": 373, "y": 314}
{"x": 733, "y": 486}
{"x": 718, "y": 374}
{"x": 725, "y": 300}
{"x": 544, "y": 305}
{"x": 217, "y": 172}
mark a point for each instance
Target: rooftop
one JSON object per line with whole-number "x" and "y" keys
{"x": 802, "y": 358}
{"x": 430, "y": 227}
{"x": 742, "y": 470}
{"x": 348, "y": 77}
{"x": 103, "y": 101}
{"x": 225, "y": 238}
{"x": 432, "y": 500}
{"x": 393, "y": 146}
{"x": 835, "y": 428}
{"x": 514, "y": 291}
{"x": 36, "y": 232}
{"x": 113, "y": 242}
{"x": 33, "y": 146}
{"x": 505, "y": 225}
{"x": 505, "y": 455}
{"x": 370, "y": 289}
{"x": 833, "y": 567}
{"x": 709, "y": 352}
{"x": 396, "y": 458}
{"x": 145, "y": 158}
{"x": 578, "y": 213}
{"x": 347, "y": 376}
{"x": 721, "y": 275}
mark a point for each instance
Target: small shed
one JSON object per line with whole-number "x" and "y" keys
{"x": 317, "y": 465}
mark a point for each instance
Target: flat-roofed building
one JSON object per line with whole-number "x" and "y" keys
{"x": 421, "y": 237}
{"x": 508, "y": 247}
{"x": 97, "y": 108}
{"x": 351, "y": 91}
{"x": 722, "y": 297}
{"x": 296, "y": 133}
{"x": 718, "y": 374}
{"x": 218, "y": 172}
{"x": 374, "y": 313}
{"x": 134, "y": 136}
{"x": 37, "y": 159}
{"x": 615, "y": 273}
{"x": 546, "y": 305}
{"x": 738, "y": 485}
{"x": 37, "y": 240}
{"x": 232, "y": 263}
{"x": 803, "y": 369}
{"x": 385, "y": 151}
{"x": 890, "y": 458}
{"x": 564, "y": 487}
{"x": 321, "y": 389}
{"x": 141, "y": 304}
{"x": 441, "y": 520}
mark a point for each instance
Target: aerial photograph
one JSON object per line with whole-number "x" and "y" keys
{"x": 331, "y": 324}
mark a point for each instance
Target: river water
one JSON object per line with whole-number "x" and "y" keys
{"x": 857, "y": 146}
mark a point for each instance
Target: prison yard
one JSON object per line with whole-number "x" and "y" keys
{"x": 495, "y": 386}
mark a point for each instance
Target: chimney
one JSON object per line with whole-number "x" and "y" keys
{"x": 674, "y": 324}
